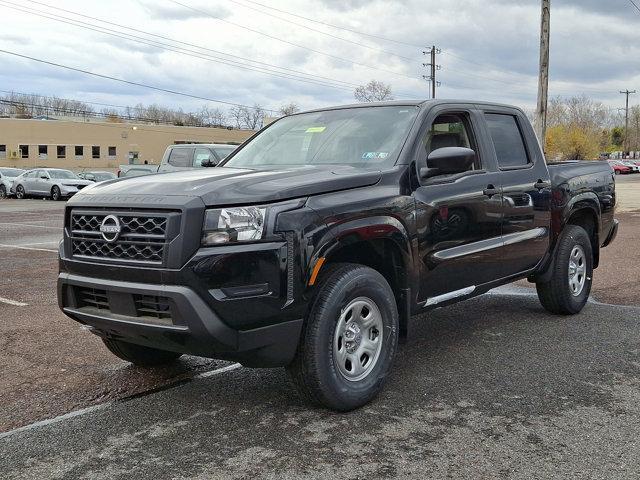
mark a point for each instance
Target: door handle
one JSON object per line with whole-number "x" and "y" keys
{"x": 490, "y": 191}
{"x": 539, "y": 185}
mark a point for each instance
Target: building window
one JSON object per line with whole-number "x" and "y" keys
{"x": 3, "y": 151}
{"x": 95, "y": 151}
{"x": 61, "y": 151}
{"x": 112, "y": 151}
{"x": 24, "y": 151}
{"x": 42, "y": 151}
{"x": 79, "y": 151}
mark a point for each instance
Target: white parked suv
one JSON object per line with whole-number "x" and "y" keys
{"x": 7, "y": 176}
{"x": 48, "y": 182}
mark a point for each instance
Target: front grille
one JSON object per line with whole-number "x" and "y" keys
{"x": 143, "y": 236}
{"x": 92, "y": 297}
{"x": 153, "y": 306}
{"x": 148, "y": 308}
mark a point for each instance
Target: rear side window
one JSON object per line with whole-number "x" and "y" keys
{"x": 507, "y": 140}
{"x": 180, "y": 157}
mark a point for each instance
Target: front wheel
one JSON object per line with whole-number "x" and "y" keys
{"x": 20, "y": 193}
{"x": 3, "y": 191}
{"x": 349, "y": 339}
{"x": 139, "y": 355}
{"x": 567, "y": 291}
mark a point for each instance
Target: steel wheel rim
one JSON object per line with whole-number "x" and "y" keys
{"x": 20, "y": 192}
{"x": 358, "y": 337}
{"x": 577, "y": 270}
{"x": 56, "y": 194}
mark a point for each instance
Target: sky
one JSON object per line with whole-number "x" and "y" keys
{"x": 272, "y": 52}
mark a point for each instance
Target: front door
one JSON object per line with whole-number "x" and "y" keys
{"x": 526, "y": 190}
{"x": 458, "y": 217}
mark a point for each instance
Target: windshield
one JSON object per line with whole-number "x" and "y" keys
{"x": 102, "y": 176}
{"x": 368, "y": 137}
{"x": 11, "y": 172}
{"x": 223, "y": 152}
{"x": 62, "y": 174}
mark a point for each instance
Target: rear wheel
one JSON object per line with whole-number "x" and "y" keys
{"x": 20, "y": 193}
{"x": 568, "y": 289}
{"x": 349, "y": 339}
{"x": 139, "y": 355}
{"x": 55, "y": 193}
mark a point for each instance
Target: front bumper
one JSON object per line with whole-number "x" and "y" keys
{"x": 194, "y": 327}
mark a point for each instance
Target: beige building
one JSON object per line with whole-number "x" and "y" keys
{"x": 97, "y": 145}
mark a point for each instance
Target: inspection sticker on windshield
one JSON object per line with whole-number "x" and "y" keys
{"x": 315, "y": 129}
{"x": 374, "y": 155}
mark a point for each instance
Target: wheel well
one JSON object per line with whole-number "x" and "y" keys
{"x": 587, "y": 219}
{"x": 386, "y": 257}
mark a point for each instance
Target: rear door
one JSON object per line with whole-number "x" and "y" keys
{"x": 458, "y": 217}
{"x": 526, "y": 189}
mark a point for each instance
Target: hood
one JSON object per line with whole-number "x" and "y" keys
{"x": 71, "y": 182}
{"x": 229, "y": 186}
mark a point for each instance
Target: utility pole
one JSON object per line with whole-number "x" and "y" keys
{"x": 543, "y": 78}
{"x": 433, "y": 68}
{"x": 626, "y": 119}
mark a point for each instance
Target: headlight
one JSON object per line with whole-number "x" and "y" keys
{"x": 233, "y": 224}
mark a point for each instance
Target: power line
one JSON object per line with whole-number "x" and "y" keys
{"x": 379, "y": 37}
{"x": 129, "y": 82}
{"x": 308, "y": 78}
{"x": 273, "y": 37}
{"x": 635, "y": 5}
{"x": 364, "y": 45}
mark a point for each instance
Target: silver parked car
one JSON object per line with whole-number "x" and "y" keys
{"x": 7, "y": 176}
{"x": 48, "y": 182}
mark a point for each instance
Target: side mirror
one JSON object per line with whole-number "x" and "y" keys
{"x": 448, "y": 160}
{"x": 44, "y": 177}
{"x": 209, "y": 163}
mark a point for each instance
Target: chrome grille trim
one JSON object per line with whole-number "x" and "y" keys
{"x": 143, "y": 238}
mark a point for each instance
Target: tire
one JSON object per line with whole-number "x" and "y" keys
{"x": 20, "y": 193}
{"x": 353, "y": 316}
{"x": 139, "y": 355}
{"x": 55, "y": 193}
{"x": 567, "y": 291}
{"x": 3, "y": 191}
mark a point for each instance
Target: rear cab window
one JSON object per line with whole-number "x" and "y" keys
{"x": 180, "y": 157}
{"x": 508, "y": 142}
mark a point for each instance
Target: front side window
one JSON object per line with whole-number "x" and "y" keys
{"x": 180, "y": 157}
{"x": 450, "y": 130}
{"x": 507, "y": 140}
{"x": 201, "y": 156}
{"x": 223, "y": 152}
{"x": 62, "y": 174}
{"x": 366, "y": 137}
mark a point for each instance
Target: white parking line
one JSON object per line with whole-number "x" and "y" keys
{"x": 29, "y": 225}
{"x": 4, "y": 245}
{"x": 93, "y": 408}
{"x": 13, "y": 302}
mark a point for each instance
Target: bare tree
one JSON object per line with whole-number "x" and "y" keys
{"x": 251, "y": 117}
{"x": 373, "y": 91}
{"x": 289, "y": 109}
{"x": 236, "y": 113}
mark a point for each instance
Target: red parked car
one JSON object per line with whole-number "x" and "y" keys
{"x": 619, "y": 168}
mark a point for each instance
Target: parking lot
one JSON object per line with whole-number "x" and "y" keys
{"x": 494, "y": 387}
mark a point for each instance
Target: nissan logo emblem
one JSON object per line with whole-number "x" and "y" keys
{"x": 110, "y": 228}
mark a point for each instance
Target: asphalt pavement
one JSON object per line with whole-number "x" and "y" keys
{"x": 490, "y": 388}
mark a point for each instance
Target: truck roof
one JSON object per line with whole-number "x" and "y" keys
{"x": 409, "y": 102}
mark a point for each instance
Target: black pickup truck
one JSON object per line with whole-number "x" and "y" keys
{"x": 315, "y": 241}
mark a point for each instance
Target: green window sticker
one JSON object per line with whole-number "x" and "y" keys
{"x": 315, "y": 129}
